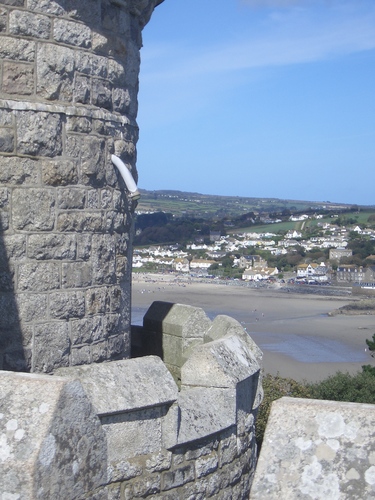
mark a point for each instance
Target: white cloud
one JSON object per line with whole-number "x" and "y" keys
{"x": 288, "y": 40}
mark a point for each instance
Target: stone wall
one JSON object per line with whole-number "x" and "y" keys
{"x": 68, "y": 100}
{"x": 123, "y": 430}
{"x": 317, "y": 450}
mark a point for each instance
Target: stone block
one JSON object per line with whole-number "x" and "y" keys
{"x": 132, "y": 398}
{"x": 13, "y": 247}
{"x": 52, "y": 443}
{"x": 51, "y": 246}
{"x": 38, "y": 276}
{"x": 121, "y": 100}
{"x": 17, "y": 49}
{"x": 72, "y": 33}
{"x": 39, "y": 133}
{"x": 79, "y": 124}
{"x": 27, "y": 24}
{"x": 82, "y": 89}
{"x": 87, "y": 330}
{"x": 116, "y": 73}
{"x": 223, "y": 325}
{"x": 51, "y": 346}
{"x": 4, "y": 220}
{"x": 178, "y": 477}
{"x": 6, "y": 118}
{"x": 93, "y": 196}
{"x": 144, "y": 487}
{"x": 317, "y": 449}
{"x": 76, "y": 275}
{"x": 118, "y": 346}
{"x": 84, "y": 243}
{"x": 103, "y": 259}
{"x": 91, "y": 151}
{"x": 67, "y": 305}
{"x": 206, "y": 465}
{"x": 80, "y": 221}
{"x": 70, "y": 199}
{"x": 59, "y": 173}
{"x": 205, "y": 411}
{"x": 55, "y": 72}
{"x": 81, "y": 355}
{"x": 99, "y": 66}
{"x": 97, "y": 300}
{"x": 101, "y": 93}
{"x": 32, "y": 306}
{"x": 228, "y": 450}
{"x": 4, "y": 197}
{"x": 123, "y": 470}
{"x": 179, "y": 320}
{"x": 99, "y": 352}
{"x": 159, "y": 462}
{"x": 222, "y": 363}
{"x": 127, "y": 385}
{"x": 18, "y": 78}
{"x": 33, "y": 209}
{"x": 3, "y": 19}
{"x": 7, "y": 140}
{"x": 8, "y": 310}
{"x": 16, "y": 170}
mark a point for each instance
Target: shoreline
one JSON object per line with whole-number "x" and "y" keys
{"x": 298, "y": 337}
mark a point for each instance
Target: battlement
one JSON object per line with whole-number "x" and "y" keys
{"x": 123, "y": 429}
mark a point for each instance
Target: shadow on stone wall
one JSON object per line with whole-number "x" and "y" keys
{"x": 147, "y": 340}
{"x": 12, "y": 353}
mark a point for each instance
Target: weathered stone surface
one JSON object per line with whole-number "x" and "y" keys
{"x": 111, "y": 390}
{"x": 52, "y": 346}
{"x": 52, "y": 444}
{"x": 51, "y": 246}
{"x": 72, "y": 33}
{"x": 19, "y": 171}
{"x": 32, "y": 306}
{"x": 39, "y": 133}
{"x": 33, "y": 209}
{"x": 18, "y": 78}
{"x": 38, "y": 276}
{"x": 17, "y": 49}
{"x": 88, "y": 330}
{"x": 59, "y": 173}
{"x": 55, "y": 72}
{"x": 205, "y": 411}
{"x": 221, "y": 363}
{"x": 76, "y": 275}
{"x": 6, "y": 140}
{"x": 29, "y": 25}
{"x": 317, "y": 449}
{"x": 224, "y": 325}
{"x": 67, "y": 305}
{"x": 180, "y": 320}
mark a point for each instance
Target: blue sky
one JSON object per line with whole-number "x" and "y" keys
{"x": 259, "y": 98}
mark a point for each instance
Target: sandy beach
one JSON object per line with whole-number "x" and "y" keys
{"x": 297, "y": 336}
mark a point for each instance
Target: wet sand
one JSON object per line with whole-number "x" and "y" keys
{"x": 297, "y": 337}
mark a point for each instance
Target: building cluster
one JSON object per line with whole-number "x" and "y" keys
{"x": 255, "y": 268}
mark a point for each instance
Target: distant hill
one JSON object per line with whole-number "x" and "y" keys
{"x": 180, "y": 203}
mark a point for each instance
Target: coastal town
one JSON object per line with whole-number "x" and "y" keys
{"x": 331, "y": 254}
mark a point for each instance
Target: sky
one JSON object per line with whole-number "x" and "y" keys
{"x": 259, "y": 98}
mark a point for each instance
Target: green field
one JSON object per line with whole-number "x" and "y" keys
{"x": 213, "y": 206}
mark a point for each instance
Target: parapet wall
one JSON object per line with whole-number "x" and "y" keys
{"x": 68, "y": 100}
{"x": 123, "y": 429}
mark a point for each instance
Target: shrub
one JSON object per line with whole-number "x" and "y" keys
{"x": 357, "y": 388}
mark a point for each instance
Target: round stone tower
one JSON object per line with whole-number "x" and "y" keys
{"x": 68, "y": 101}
